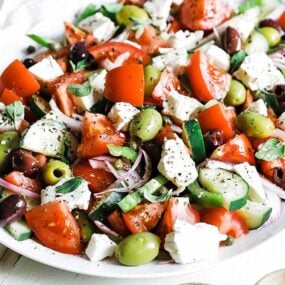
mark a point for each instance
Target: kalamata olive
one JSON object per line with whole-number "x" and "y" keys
{"x": 231, "y": 41}
{"x": 12, "y": 208}
{"x": 153, "y": 151}
{"x": 30, "y": 49}
{"x": 28, "y": 62}
{"x": 213, "y": 139}
{"x": 78, "y": 52}
{"x": 23, "y": 160}
{"x": 279, "y": 90}
{"x": 279, "y": 177}
{"x": 270, "y": 23}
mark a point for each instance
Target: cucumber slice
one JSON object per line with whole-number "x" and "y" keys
{"x": 45, "y": 136}
{"x": 70, "y": 146}
{"x": 19, "y": 230}
{"x": 39, "y": 106}
{"x": 256, "y": 43}
{"x": 231, "y": 186}
{"x": 193, "y": 137}
{"x": 255, "y": 214}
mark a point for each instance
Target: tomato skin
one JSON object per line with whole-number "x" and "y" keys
{"x": 176, "y": 209}
{"x": 9, "y": 96}
{"x": 73, "y": 34}
{"x": 17, "y": 77}
{"x": 125, "y": 84}
{"x": 55, "y": 227}
{"x": 112, "y": 50}
{"x": 281, "y": 21}
{"x": 116, "y": 221}
{"x": 206, "y": 81}
{"x": 98, "y": 179}
{"x": 1, "y": 86}
{"x": 236, "y": 150}
{"x": 165, "y": 133}
{"x": 97, "y": 132}
{"x": 229, "y": 223}
{"x": 143, "y": 217}
{"x": 267, "y": 167}
{"x": 203, "y": 14}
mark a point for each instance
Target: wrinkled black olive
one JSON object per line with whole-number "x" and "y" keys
{"x": 213, "y": 139}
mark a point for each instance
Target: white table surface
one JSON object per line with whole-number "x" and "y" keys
{"x": 244, "y": 269}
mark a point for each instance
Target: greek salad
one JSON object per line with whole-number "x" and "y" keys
{"x": 153, "y": 128}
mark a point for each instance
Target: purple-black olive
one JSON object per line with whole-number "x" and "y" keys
{"x": 279, "y": 177}
{"x": 78, "y": 52}
{"x": 213, "y": 139}
{"x": 12, "y": 209}
{"x": 28, "y": 62}
{"x": 153, "y": 151}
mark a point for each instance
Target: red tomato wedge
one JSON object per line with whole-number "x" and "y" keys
{"x": 55, "y": 227}
{"x": 229, "y": 223}
{"x": 73, "y": 34}
{"x": 1, "y": 86}
{"x": 126, "y": 84}
{"x": 97, "y": 132}
{"x": 204, "y": 14}
{"x": 98, "y": 179}
{"x": 206, "y": 81}
{"x": 215, "y": 118}
{"x": 112, "y": 50}
{"x": 143, "y": 217}
{"x": 177, "y": 208}
{"x": 236, "y": 150}
{"x": 281, "y": 21}
{"x": 9, "y": 96}
{"x": 165, "y": 133}
{"x": 17, "y": 77}
{"x": 267, "y": 167}
{"x": 116, "y": 221}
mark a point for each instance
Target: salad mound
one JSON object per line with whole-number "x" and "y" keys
{"x": 152, "y": 126}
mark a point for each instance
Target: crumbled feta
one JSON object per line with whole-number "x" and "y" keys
{"x": 101, "y": 27}
{"x": 97, "y": 81}
{"x": 121, "y": 115}
{"x": 189, "y": 243}
{"x": 99, "y": 247}
{"x": 79, "y": 198}
{"x": 6, "y": 124}
{"x": 252, "y": 178}
{"x": 158, "y": 11}
{"x": 46, "y": 70}
{"x": 258, "y": 72}
{"x": 176, "y": 164}
{"x": 180, "y": 107}
{"x": 185, "y": 39}
{"x": 174, "y": 60}
{"x": 218, "y": 58}
{"x": 281, "y": 121}
{"x": 259, "y": 107}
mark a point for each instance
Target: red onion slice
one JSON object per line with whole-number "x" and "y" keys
{"x": 106, "y": 230}
{"x": 98, "y": 164}
{"x": 104, "y": 158}
{"x": 270, "y": 186}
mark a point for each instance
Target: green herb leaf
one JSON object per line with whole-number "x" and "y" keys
{"x": 111, "y": 10}
{"x": 80, "y": 65}
{"x": 138, "y": 25}
{"x": 237, "y": 59}
{"x": 156, "y": 199}
{"x": 79, "y": 90}
{"x": 271, "y": 150}
{"x": 15, "y": 112}
{"x": 248, "y": 5}
{"x": 90, "y": 10}
{"x": 271, "y": 101}
{"x": 69, "y": 186}
{"x": 50, "y": 44}
{"x": 124, "y": 151}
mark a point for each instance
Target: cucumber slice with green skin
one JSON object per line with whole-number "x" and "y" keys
{"x": 19, "y": 230}
{"x": 256, "y": 43}
{"x": 39, "y": 106}
{"x": 203, "y": 197}
{"x": 193, "y": 137}
{"x": 254, "y": 214}
{"x": 103, "y": 207}
{"x": 232, "y": 187}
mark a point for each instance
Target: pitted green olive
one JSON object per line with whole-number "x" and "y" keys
{"x": 129, "y": 12}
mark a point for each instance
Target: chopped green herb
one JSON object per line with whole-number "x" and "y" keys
{"x": 90, "y": 10}
{"x": 50, "y": 44}
{"x": 79, "y": 90}
{"x": 80, "y": 65}
{"x": 111, "y": 10}
{"x": 248, "y": 5}
{"x": 271, "y": 150}
{"x": 15, "y": 112}
{"x": 138, "y": 25}
{"x": 156, "y": 199}
{"x": 271, "y": 101}
{"x": 70, "y": 185}
{"x": 237, "y": 59}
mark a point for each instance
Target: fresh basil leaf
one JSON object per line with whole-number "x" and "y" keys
{"x": 90, "y": 10}
{"x": 80, "y": 65}
{"x": 15, "y": 112}
{"x": 50, "y": 44}
{"x": 111, "y": 10}
{"x": 271, "y": 150}
{"x": 79, "y": 90}
{"x": 156, "y": 199}
{"x": 248, "y": 5}
{"x": 237, "y": 59}
{"x": 271, "y": 101}
{"x": 69, "y": 186}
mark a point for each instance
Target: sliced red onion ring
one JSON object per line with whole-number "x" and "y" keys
{"x": 274, "y": 202}
{"x": 18, "y": 190}
{"x": 115, "y": 172}
{"x": 106, "y": 230}
{"x": 98, "y": 164}
{"x": 104, "y": 158}
{"x": 176, "y": 128}
{"x": 280, "y": 134}
{"x": 71, "y": 123}
{"x": 271, "y": 187}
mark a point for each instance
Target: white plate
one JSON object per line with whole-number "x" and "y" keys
{"x": 47, "y": 21}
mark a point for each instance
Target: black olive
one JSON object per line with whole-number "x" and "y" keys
{"x": 78, "y": 52}
{"x": 28, "y": 62}
{"x": 213, "y": 139}
{"x": 30, "y": 49}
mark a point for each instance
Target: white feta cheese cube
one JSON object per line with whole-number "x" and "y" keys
{"x": 176, "y": 163}
{"x": 97, "y": 81}
{"x": 185, "y": 39}
{"x": 174, "y": 60}
{"x": 99, "y": 247}
{"x": 79, "y": 198}
{"x": 258, "y": 72}
{"x": 84, "y": 103}
{"x": 218, "y": 58}
{"x": 46, "y": 70}
{"x": 190, "y": 243}
{"x": 101, "y": 27}
{"x": 121, "y": 114}
{"x": 158, "y": 11}
{"x": 180, "y": 107}
{"x": 259, "y": 107}
{"x": 6, "y": 124}
{"x": 252, "y": 178}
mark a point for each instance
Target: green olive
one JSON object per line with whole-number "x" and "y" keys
{"x": 54, "y": 171}
{"x": 146, "y": 124}
{"x": 255, "y": 125}
{"x": 272, "y": 36}
{"x": 138, "y": 249}
{"x": 151, "y": 78}
{"x": 236, "y": 95}
{"x": 130, "y": 11}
